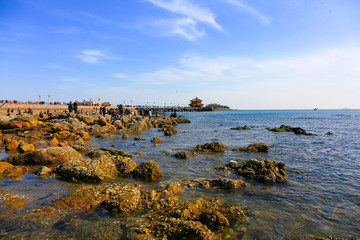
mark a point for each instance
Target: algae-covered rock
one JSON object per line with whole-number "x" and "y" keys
{"x": 170, "y": 131}
{"x": 240, "y": 128}
{"x": 12, "y": 201}
{"x": 266, "y": 171}
{"x": 254, "y": 147}
{"x": 41, "y": 212}
{"x": 214, "y": 146}
{"x": 88, "y": 170}
{"x": 218, "y": 183}
{"x": 285, "y": 128}
{"x": 124, "y": 165}
{"x": 148, "y": 171}
{"x": 182, "y": 155}
{"x": 46, "y": 156}
{"x": 181, "y": 119}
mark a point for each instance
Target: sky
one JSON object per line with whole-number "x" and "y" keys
{"x": 246, "y": 54}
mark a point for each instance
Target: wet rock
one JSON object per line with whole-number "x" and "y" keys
{"x": 156, "y": 140}
{"x": 314, "y": 237}
{"x": 41, "y": 212}
{"x": 329, "y": 133}
{"x": 181, "y": 119}
{"x": 218, "y": 183}
{"x": 46, "y": 156}
{"x": 240, "y": 128}
{"x": 88, "y": 170}
{"x": 8, "y": 170}
{"x": 139, "y": 138}
{"x": 214, "y": 146}
{"x": 53, "y": 142}
{"x": 11, "y": 145}
{"x": 117, "y": 152}
{"x": 170, "y": 131}
{"x": 285, "y": 128}
{"x": 254, "y": 147}
{"x": 148, "y": 171}
{"x": 125, "y": 136}
{"x": 26, "y": 148}
{"x": 266, "y": 171}
{"x": 182, "y": 155}
{"x": 124, "y": 165}
{"x": 43, "y": 171}
{"x": 12, "y": 201}
{"x": 97, "y": 130}
{"x": 85, "y": 119}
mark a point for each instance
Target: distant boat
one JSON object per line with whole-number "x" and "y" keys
{"x": 315, "y": 109}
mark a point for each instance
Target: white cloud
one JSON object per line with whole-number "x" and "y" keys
{"x": 186, "y": 26}
{"x": 326, "y": 79}
{"x": 90, "y": 56}
{"x": 120, "y": 75}
{"x": 252, "y": 11}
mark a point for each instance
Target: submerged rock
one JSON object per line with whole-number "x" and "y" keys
{"x": 45, "y": 156}
{"x": 41, "y": 212}
{"x": 218, "y": 183}
{"x": 214, "y": 146}
{"x": 12, "y": 201}
{"x": 148, "y": 171}
{"x": 285, "y": 128}
{"x": 254, "y": 147}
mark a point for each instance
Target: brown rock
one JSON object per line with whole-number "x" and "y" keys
{"x": 156, "y": 140}
{"x": 182, "y": 155}
{"x": 12, "y": 201}
{"x": 11, "y": 145}
{"x": 46, "y": 156}
{"x": 26, "y": 148}
{"x": 41, "y": 212}
{"x": 170, "y": 131}
{"x": 125, "y": 136}
{"x": 214, "y": 146}
{"x": 254, "y": 147}
{"x": 124, "y": 165}
{"x": 53, "y": 142}
{"x": 148, "y": 171}
{"x": 42, "y": 143}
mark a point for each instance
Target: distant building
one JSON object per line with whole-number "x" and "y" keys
{"x": 91, "y": 103}
{"x": 196, "y": 103}
{"x": 107, "y": 104}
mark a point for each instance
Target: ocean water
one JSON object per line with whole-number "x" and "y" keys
{"x": 321, "y": 197}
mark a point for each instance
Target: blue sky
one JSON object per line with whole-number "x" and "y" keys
{"x": 258, "y": 54}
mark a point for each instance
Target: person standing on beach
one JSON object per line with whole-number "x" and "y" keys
{"x": 75, "y": 106}
{"x": 70, "y": 107}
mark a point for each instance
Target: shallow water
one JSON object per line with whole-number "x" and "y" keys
{"x": 322, "y": 196}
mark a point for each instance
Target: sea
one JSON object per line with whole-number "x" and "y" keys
{"x": 321, "y": 196}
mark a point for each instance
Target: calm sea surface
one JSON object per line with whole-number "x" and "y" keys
{"x": 322, "y": 196}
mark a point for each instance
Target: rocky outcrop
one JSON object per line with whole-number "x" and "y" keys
{"x": 240, "y": 128}
{"x": 156, "y": 140}
{"x": 214, "y": 146}
{"x": 88, "y": 170}
{"x": 8, "y": 170}
{"x": 124, "y": 165}
{"x": 26, "y": 148}
{"x": 182, "y": 155}
{"x": 170, "y": 131}
{"x": 254, "y": 147}
{"x": 285, "y": 128}
{"x": 216, "y": 183}
{"x": 11, "y": 145}
{"x": 148, "y": 171}
{"x": 46, "y": 156}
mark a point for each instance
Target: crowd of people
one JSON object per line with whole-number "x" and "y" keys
{"x": 18, "y": 112}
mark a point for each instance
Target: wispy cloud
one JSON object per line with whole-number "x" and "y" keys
{"x": 91, "y": 55}
{"x": 79, "y": 81}
{"x": 120, "y": 75}
{"x": 186, "y": 26}
{"x": 250, "y": 10}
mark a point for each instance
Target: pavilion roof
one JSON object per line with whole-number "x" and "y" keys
{"x": 196, "y": 100}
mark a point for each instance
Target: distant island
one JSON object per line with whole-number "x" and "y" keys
{"x": 215, "y": 107}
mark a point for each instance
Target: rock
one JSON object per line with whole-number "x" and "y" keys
{"x": 43, "y": 171}
{"x": 84, "y": 135}
{"x": 26, "y": 148}
{"x": 285, "y": 128}
{"x": 42, "y": 212}
{"x": 182, "y": 120}
{"x": 329, "y": 133}
{"x": 85, "y": 119}
{"x": 148, "y": 171}
{"x": 214, "y": 220}
{"x": 124, "y": 165}
{"x": 46, "y": 156}
{"x": 170, "y": 131}
{"x": 139, "y": 138}
{"x": 123, "y": 199}
{"x": 218, "y": 183}
{"x": 117, "y": 152}
{"x": 11, "y": 145}
{"x": 182, "y": 155}
{"x": 214, "y": 146}
{"x": 118, "y": 124}
{"x": 125, "y": 136}
{"x": 12, "y": 201}
{"x": 53, "y": 142}
{"x": 15, "y": 172}
{"x": 156, "y": 140}
{"x": 87, "y": 170}
{"x": 240, "y": 128}
{"x": 97, "y": 130}
{"x": 42, "y": 143}
{"x": 254, "y": 147}
{"x": 102, "y": 121}
{"x": 266, "y": 171}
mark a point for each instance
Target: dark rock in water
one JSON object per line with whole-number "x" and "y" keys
{"x": 329, "y": 133}
{"x": 156, "y": 140}
{"x": 182, "y": 155}
{"x": 148, "y": 171}
{"x": 124, "y": 165}
{"x": 254, "y": 147}
{"x": 182, "y": 120}
{"x": 139, "y": 138}
{"x": 267, "y": 171}
{"x": 314, "y": 237}
{"x": 46, "y": 156}
{"x": 41, "y": 212}
{"x": 214, "y": 146}
{"x": 170, "y": 131}
{"x": 88, "y": 170}
{"x": 218, "y": 183}
{"x": 240, "y": 128}
{"x": 285, "y": 128}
